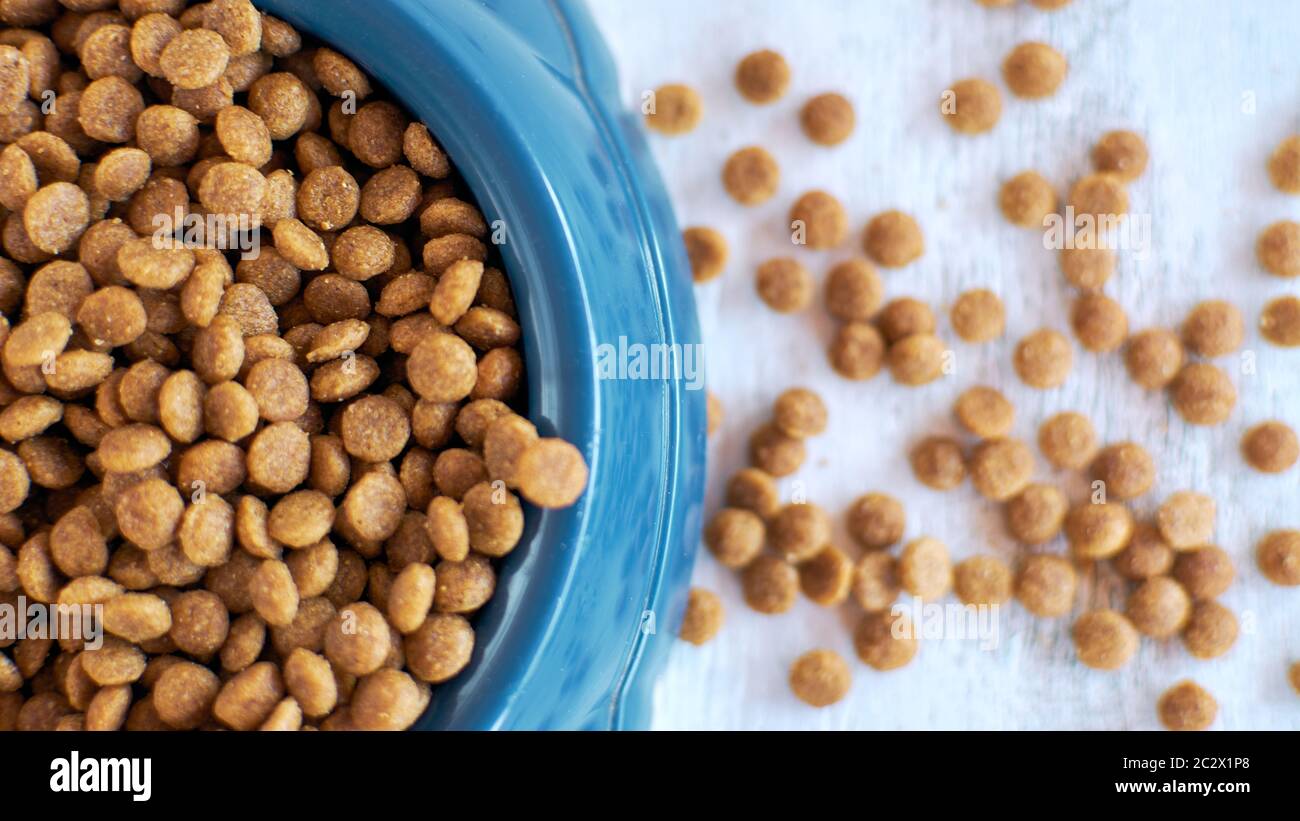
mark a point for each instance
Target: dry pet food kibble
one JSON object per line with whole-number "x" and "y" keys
{"x": 1187, "y": 706}
{"x": 770, "y": 585}
{"x": 1121, "y": 153}
{"x": 675, "y": 109}
{"x": 983, "y": 580}
{"x": 274, "y": 470}
{"x": 1186, "y": 519}
{"x": 1284, "y": 165}
{"x": 1270, "y": 447}
{"x": 985, "y": 412}
{"x": 751, "y": 176}
{"x": 707, "y": 251}
{"x": 1278, "y": 249}
{"x": 1001, "y": 468}
{"x": 971, "y": 106}
{"x": 1203, "y": 394}
{"x": 1126, "y": 469}
{"x": 1026, "y": 199}
{"x": 1104, "y": 639}
{"x": 1046, "y": 585}
{"x": 1278, "y": 556}
{"x": 820, "y": 219}
{"x": 1154, "y": 357}
{"x": 1043, "y": 359}
{"x": 1279, "y": 321}
{"x": 703, "y": 616}
{"x": 938, "y": 462}
{"x": 893, "y": 239}
{"x": 820, "y": 678}
{"x": 1032, "y": 70}
{"x": 784, "y": 284}
{"x": 762, "y": 77}
{"x": 827, "y": 119}
{"x": 1213, "y": 328}
{"x": 853, "y": 291}
{"x": 978, "y": 316}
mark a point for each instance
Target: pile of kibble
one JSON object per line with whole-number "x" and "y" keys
{"x": 284, "y": 476}
{"x": 1174, "y": 570}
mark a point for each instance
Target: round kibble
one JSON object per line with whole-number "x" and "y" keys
{"x": 1270, "y": 447}
{"x": 735, "y": 536}
{"x": 1043, "y": 359}
{"x": 857, "y": 351}
{"x": 1204, "y": 572}
{"x": 978, "y": 316}
{"x": 1101, "y": 196}
{"x": 194, "y": 58}
{"x": 769, "y": 584}
{"x": 853, "y": 291}
{"x": 1087, "y": 268}
{"x": 1213, "y": 328}
{"x": 1146, "y": 556}
{"x": 775, "y": 452}
{"x": 1036, "y": 514}
{"x": 1121, "y": 153}
{"x": 1159, "y": 607}
{"x": 819, "y": 678}
{"x": 1203, "y": 394}
{"x": 762, "y": 77}
{"x": 1211, "y": 630}
{"x": 971, "y": 106}
{"x": 751, "y": 176}
{"x": 876, "y": 521}
{"x": 1099, "y": 322}
{"x": 904, "y": 317}
{"x": 1026, "y": 199}
{"x": 917, "y": 359}
{"x": 1278, "y": 249}
{"x": 1154, "y": 357}
{"x": 1104, "y": 639}
{"x": 799, "y": 412}
{"x": 1033, "y": 70}
{"x": 707, "y": 251}
{"x": 938, "y": 462}
{"x": 753, "y": 490}
{"x": 1279, "y": 322}
{"x": 1125, "y": 468}
{"x": 1278, "y": 557}
{"x": 1001, "y": 468}
{"x": 703, "y": 617}
{"x": 1187, "y": 706}
{"x": 551, "y": 473}
{"x": 984, "y": 412}
{"x": 885, "y": 641}
{"x": 1046, "y": 585}
{"x": 799, "y": 531}
{"x": 983, "y": 580}
{"x": 1186, "y": 519}
{"x": 784, "y": 284}
{"x": 676, "y": 109}
{"x": 924, "y": 569}
{"x": 1098, "y": 531}
{"x": 827, "y": 119}
{"x": 874, "y": 584}
{"x": 893, "y": 239}
{"x": 819, "y": 220}
{"x": 825, "y": 578}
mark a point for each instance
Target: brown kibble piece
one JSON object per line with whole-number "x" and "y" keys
{"x": 1204, "y": 572}
{"x": 1098, "y": 531}
{"x": 799, "y": 412}
{"x": 799, "y": 531}
{"x": 1121, "y": 153}
{"x": 858, "y": 351}
{"x": 762, "y": 77}
{"x": 246, "y": 700}
{"x": 818, "y": 219}
{"x": 1087, "y": 268}
{"x": 551, "y": 473}
{"x": 1046, "y": 585}
{"x": 1026, "y": 199}
{"x": 411, "y": 597}
{"x": 1125, "y": 468}
{"x": 853, "y": 290}
{"x": 820, "y": 678}
{"x": 876, "y": 521}
{"x": 1187, "y": 706}
{"x": 1159, "y": 607}
{"x": 1211, "y": 631}
{"x": 1154, "y": 357}
{"x": 1043, "y": 359}
{"x": 357, "y": 640}
{"x": 753, "y": 490}
{"x": 1101, "y": 196}
{"x": 1033, "y": 70}
{"x": 1186, "y": 519}
{"x": 893, "y": 239}
{"x": 924, "y": 569}
{"x": 1203, "y": 394}
{"x": 1278, "y": 557}
{"x": 769, "y": 584}
{"x": 55, "y": 216}
{"x": 1104, "y": 639}
{"x": 707, "y": 251}
{"x": 875, "y": 581}
{"x": 825, "y": 578}
{"x": 827, "y": 119}
{"x": 676, "y": 109}
{"x": 938, "y": 462}
{"x": 885, "y": 641}
{"x": 734, "y": 536}
{"x": 784, "y": 284}
{"x": 1036, "y": 514}
{"x": 751, "y": 176}
{"x": 137, "y": 617}
{"x": 1270, "y": 447}
{"x": 373, "y": 428}
{"x": 387, "y": 700}
{"x": 978, "y": 316}
{"x": 971, "y": 106}
{"x": 1099, "y": 322}
{"x": 1278, "y": 249}
{"x": 917, "y": 359}
{"x": 440, "y": 648}
{"x": 983, "y": 580}
{"x": 1146, "y": 555}
{"x": 442, "y": 368}
{"x": 1213, "y": 328}
{"x": 184, "y": 695}
{"x": 1001, "y": 468}
{"x": 985, "y": 412}
{"x": 1279, "y": 322}
{"x": 194, "y": 58}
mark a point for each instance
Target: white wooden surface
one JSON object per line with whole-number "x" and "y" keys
{"x": 1181, "y": 72}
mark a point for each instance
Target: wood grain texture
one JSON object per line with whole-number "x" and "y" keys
{"x": 1177, "y": 71}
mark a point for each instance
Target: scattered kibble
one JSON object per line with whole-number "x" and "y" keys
{"x": 1213, "y": 328}
{"x": 1204, "y": 572}
{"x": 938, "y": 462}
{"x": 853, "y": 291}
{"x": 707, "y": 251}
{"x": 799, "y": 531}
{"x": 1154, "y": 357}
{"x": 1001, "y": 468}
{"x": 1278, "y": 557}
{"x": 1046, "y": 585}
{"x": 703, "y": 616}
{"x": 1099, "y": 322}
{"x": 1036, "y": 514}
{"x": 1125, "y": 468}
{"x": 984, "y": 412}
{"x": 875, "y": 581}
{"x": 799, "y": 412}
{"x": 1121, "y": 153}
{"x": 1211, "y": 630}
{"x": 1187, "y": 706}
{"x": 762, "y": 77}
{"x": 820, "y": 218}
{"x": 820, "y": 678}
{"x": 1104, "y": 639}
{"x": 775, "y": 452}
{"x": 1284, "y": 165}
{"x": 1203, "y": 394}
{"x": 1101, "y": 196}
{"x": 917, "y": 359}
{"x": 1159, "y": 607}
{"x": 857, "y": 351}
{"x": 826, "y": 577}
{"x": 983, "y": 580}
{"x": 769, "y": 584}
{"x": 735, "y": 536}
{"x": 924, "y": 569}
{"x": 904, "y": 317}
{"x": 1270, "y": 447}
{"x": 1043, "y": 359}
{"x": 1278, "y": 248}
{"x": 1087, "y": 268}
{"x": 1026, "y": 199}
{"x": 1279, "y": 322}
{"x": 751, "y": 176}
{"x": 677, "y": 109}
{"x": 1098, "y": 531}
{"x": 885, "y": 641}
{"x": 753, "y": 490}
{"x": 893, "y": 239}
{"x": 971, "y": 106}
{"x": 1186, "y": 519}
{"x": 876, "y": 521}
{"x": 1146, "y": 556}
{"x": 827, "y": 119}
{"x": 784, "y": 284}
{"x": 978, "y": 316}
{"x": 1033, "y": 70}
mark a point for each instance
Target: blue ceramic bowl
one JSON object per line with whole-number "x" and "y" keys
{"x": 523, "y": 95}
